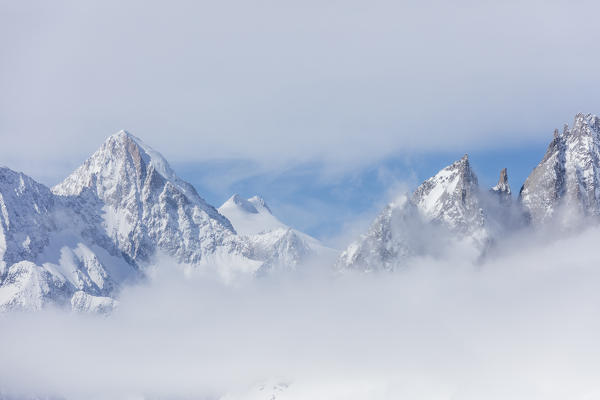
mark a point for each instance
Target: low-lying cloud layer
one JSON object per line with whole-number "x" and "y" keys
{"x": 523, "y": 325}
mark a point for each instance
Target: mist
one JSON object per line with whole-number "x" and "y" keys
{"x": 329, "y": 107}
{"x": 281, "y": 84}
{"x": 522, "y": 325}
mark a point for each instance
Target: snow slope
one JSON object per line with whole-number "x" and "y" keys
{"x": 97, "y": 229}
{"x": 282, "y": 247}
{"x": 121, "y": 210}
{"x": 80, "y": 242}
{"x": 565, "y": 186}
{"x": 145, "y": 205}
{"x": 250, "y": 217}
{"x": 447, "y": 206}
{"x": 46, "y": 247}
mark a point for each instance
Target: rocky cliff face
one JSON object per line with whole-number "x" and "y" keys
{"x": 502, "y": 188}
{"x": 451, "y": 198}
{"x": 26, "y": 209}
{"x": 446, "y": 205}
{"x": 53, "y": 246}
{"x": 81, "y": 241}
{"x": 564, "y": 188}
{"x": 146, "y": 206}
{"x": 565, "y": 185}
{"x": 396, "y": 235}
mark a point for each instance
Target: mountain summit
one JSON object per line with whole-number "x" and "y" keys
{"x": 565, "y": 185}
{"x": 413, "y": 226}
{"x": 451, "y": 198}
{"x": 146, "y": 206}
{"x": 123, "y": 209}
{"x": 251, "y": 216}
{"x": 282, "y": 247}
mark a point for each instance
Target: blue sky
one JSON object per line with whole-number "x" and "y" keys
{"x": 325, "y": 204}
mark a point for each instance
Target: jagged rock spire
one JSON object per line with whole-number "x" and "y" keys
{"x": 502, "y": 186}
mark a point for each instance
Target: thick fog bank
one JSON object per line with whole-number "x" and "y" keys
{"x": 523, "y": 325}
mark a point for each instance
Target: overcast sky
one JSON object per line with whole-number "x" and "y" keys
{"x": 344, "y": 84}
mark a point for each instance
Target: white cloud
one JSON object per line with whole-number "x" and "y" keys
{"x": 347, "y": 82}
{"x": 523, "y": 326}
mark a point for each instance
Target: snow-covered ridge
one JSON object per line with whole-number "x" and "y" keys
{"x": 565, "y": 185}
{"x": 80, "y": 242}
{"x": 25, "y": 206}
{"x": 146, "y": 207}
{"x": 125, "y": 159}
{"x": 418, "y": 225}
{"x": 283, "y": 246}
{"x": 52, "y": 247}
{"x": 564, "y": 188}
{"x": 250, "y": 217}
{"x": 260, "y": 204}
{"x": 451, "y": 197}
{"x": 124, "y": 206}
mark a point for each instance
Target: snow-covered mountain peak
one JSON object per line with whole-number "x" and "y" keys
{"x": 450, "y": 196}
{"x": 236, "y": 201}
{"x": 145, "y": 205}
{"x": 122, "y": 156}
{"x": 280, "y": 246}
{"x": 250, "y": 217}
{"x": 111, "y": 217}
{"x": 135, "y": 145}
{"x": 566, "y": 183}
{"x": 125, "y": 169}
{"x": 586, "y": 124}
{"x": 122, "y": 135}
{"x": 449, "y": 200}
{"x": 260, "y": 204}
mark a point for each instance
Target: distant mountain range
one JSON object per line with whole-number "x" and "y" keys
{"x": 80, "y": 242}
{"x": 450, "y": 208}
